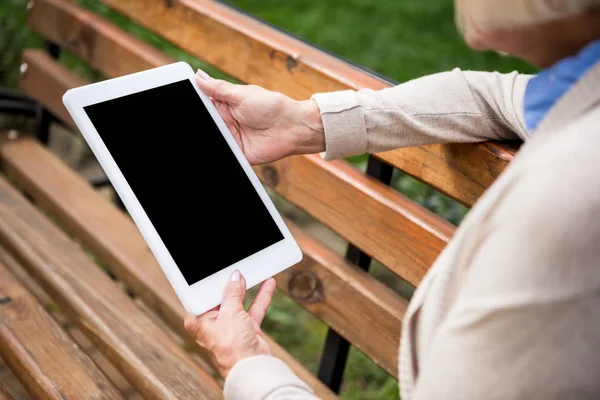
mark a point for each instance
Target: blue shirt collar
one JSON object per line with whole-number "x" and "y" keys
{"x": 544, "y": 89}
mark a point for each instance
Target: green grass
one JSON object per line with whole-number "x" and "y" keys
{"x": 402, "y": 40}
{"x": 13, "y": 39}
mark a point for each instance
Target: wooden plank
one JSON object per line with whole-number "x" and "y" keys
{"x": 77, "y": 335}
{"x": 10, "y": 383}
{"x": 156, "y": 366}
{"x": 345, "y": 297}
{"x": 42, "y": 355}
{"x": 4, "y": 395}
{"x": 391, "y": 228}
{"x": 92, "y": 37}
{"x": 31, "y": 286}
{"x": 255, "y": 53}
{"x": 355, "y": 304}
{"x": 394, "y": 230}
{"x": 460, "y": 171}
{"x": 110, "y": 234}
{"x": 47, "y": 81}
{"x": 245, "y": 48}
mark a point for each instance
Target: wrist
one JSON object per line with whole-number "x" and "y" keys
{"x": 308, "y": 137}
{"x": 225, "y": 362}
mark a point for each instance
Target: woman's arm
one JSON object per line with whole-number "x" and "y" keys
{"x": 454, "y": 106}
{"x": 449, "y": 107}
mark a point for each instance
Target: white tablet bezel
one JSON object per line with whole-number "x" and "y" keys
{"x": 207, "y": 293}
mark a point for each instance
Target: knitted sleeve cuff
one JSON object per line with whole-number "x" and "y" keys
{"x": 344, "y": 124}
{"x": 261, "y": 377}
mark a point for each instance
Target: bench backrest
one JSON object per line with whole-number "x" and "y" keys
{"x": 378, "y": 222}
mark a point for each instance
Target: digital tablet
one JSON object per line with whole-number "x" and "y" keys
{"x": 184, "y": 180}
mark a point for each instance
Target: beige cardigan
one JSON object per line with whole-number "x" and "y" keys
{"x": 511, "y": 308}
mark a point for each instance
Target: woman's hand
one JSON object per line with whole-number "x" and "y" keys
{"x": 266, "y": 125}
{"x": 228, "y": 332}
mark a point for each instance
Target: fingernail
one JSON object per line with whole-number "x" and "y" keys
{"x": 236, "y": 276}
{"x": 202, "y": 74}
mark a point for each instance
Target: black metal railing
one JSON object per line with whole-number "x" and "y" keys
{"x": 45, "y": 118}
{"x": 15, "y": 103}
{"x": 336, "y": 347}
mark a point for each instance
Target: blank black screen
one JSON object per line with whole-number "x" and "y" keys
{"x": 186, "y": 178}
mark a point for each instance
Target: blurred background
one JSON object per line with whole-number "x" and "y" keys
{"x": 398, "y": 39}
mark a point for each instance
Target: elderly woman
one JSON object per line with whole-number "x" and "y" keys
{"x": 511, "y": 308}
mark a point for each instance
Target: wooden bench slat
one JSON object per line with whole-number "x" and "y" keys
{"x": 356, "y": 305}
{"x": 461, "y": 171}
{"x": 84, "y": 343}
{"x": 40, "y": 353}
{"x": 4, "y": 395}
{"x": 92, "y": 38}
{"x": 347, "y": 298}
{"x": 394, "y": 230}
{"x": 155, "y": 365}
{"x": 11, "y": 385}
{"x": 109, "y": 233}
{"x": 399, "y": 233}
{"x": 255, "y": 53}
{"x": 46, "y": 81}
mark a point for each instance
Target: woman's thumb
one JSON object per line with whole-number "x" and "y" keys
{"x": 216, "y": 88}
{"x": 235, "y": 292}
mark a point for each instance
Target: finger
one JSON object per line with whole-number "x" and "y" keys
{"x": 233, "y": 297}
{"x": 258, "y": 308}
{"x": 219, "y": 90}
{"x": 202, "y": 74}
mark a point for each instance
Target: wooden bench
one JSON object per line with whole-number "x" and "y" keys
{"x": 51, "y": 219}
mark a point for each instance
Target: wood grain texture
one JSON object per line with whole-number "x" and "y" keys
{"x": 245, "y": 48}
{"x": 399, "y": 233}
{"x": 156, "y": 366}
{"x": 388, "y": 226}
{"x": 109, "y": 234}
{"x": 47, "y": 81}
{"x": 360, "y": 308}
{"x": 92, "y": 38}
{"x": 460, "y": 171}
{"x": 75, "y": 334}
{"x": 10, "y": 383}
{"x": 346, "y": 298}
{"x": 42, "y": 355}
{"x": 256, "y": 53}
{"x": 31, "y": 286}
{"x": 4, "y": 395}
